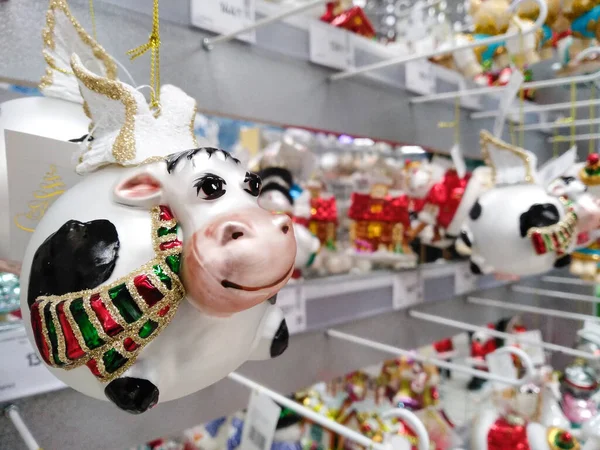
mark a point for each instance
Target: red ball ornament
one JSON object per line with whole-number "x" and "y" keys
{"x": 593, "y": 159}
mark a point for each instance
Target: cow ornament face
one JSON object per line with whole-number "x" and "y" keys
{"x": 235, "y": 254}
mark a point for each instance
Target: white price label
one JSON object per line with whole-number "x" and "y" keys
{"x": 408, "y": 289}
{"x": 464, "y": 280}
{"x": 535, "y": 352}
{"x": 261, "y": 421}
{"x": 39, "y": 171}
{"x": 22, "y": 373}
{"x": 331, "y": 46}
{"x": 501, "y": 364}
{"x": 420, "y": 77}
{"x": 224, "y": 16}
{"x": 293, "y": 304}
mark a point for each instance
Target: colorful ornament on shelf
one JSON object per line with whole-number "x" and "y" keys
{"x": 409, "y": 384}
{"x": 441, "y": 199}
{"x": 579, "y": 385}
{"x": 343, "y": 14}
{"x": 276, "y": 196}
{"x": 583, "y": 17}
{"x": 317, "y": 210}
{"x": 141, "y": 275}
{"x": 518, "y": 227}
{"x": 379, "y": 225}
{"x": 515, "y": 423}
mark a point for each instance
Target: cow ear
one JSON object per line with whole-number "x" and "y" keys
{"x": 140, "y": 189}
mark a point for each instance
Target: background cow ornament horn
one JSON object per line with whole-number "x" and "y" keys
{"x": 153, "y": 247}
{"x": 524, "y": 225}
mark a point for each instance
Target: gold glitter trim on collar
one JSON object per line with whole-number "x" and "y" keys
{"x": 123, "y": 149}
{"x": 171, "y": 299}
{"x": 49, "y": 42}
{"x": 487, "y": 139}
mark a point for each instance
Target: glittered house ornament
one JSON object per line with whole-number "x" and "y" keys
{"x": 120, "y": 261}
{"x": 322, "y": 220}
{"x": 352, "y": 18}
{"x": 378, "y": 227}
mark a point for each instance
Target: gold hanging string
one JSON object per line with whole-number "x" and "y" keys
{"x": 153, "y": 45}
{"x": 560, "y": 138}
{"x": 592, "y": 117}
{"x": 93, "y": 19}
{"x": 522, "y": 117}
{"x": 573, "y": 111}
{"x": 455, "y": 123}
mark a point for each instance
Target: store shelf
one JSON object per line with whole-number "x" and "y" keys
{"x": 67, "y": 419}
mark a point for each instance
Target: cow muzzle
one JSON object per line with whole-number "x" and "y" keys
{"x": 238, "y": 261}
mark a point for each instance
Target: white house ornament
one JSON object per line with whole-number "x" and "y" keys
{"x": 165, "y": 245}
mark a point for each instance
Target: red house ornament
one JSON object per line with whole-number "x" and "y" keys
{"x": 352, "y": 19}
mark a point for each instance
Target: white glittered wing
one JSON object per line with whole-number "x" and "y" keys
{"x": 63, "y": 36}
{"x": 116, "y": 110}
{"x": 510, "y": 164}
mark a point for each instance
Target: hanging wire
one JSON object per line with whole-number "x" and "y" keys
{"x": 93, "y": 19}
{"x": 592, "y": 116}
{"x": 153, "y": 45}
{"x": 455, "y": 123}
{"x": 522, "y": 117}
{"x": 555, "y": 143}
{"x": 573, "y": 111}
{"x": 511, "y": 130}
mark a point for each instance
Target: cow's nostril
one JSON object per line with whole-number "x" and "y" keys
{"x": 236, "y": 235}
{"x": 285, "y": 229}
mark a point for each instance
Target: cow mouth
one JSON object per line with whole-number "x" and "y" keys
{"x": 232, "y": 285}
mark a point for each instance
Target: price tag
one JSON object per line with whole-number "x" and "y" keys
{"x": 21, "y": 372}
{"x": 420, "y": 77}
{"x": 464, "y": 280}
{"x": 39, "y": 171}
{"x": 224, "y": 16}
{"x": 292, "y": 301}
{"x": 330, "y": 46}
{"x": 501, "y": 364}
{"x": 534, "y": 351}
{"x": 408, "y": 289}
{"x": 261, "y": 421}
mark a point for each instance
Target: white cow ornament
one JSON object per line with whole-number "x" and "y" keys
{"x": 520, "y": 227}
{"x": 156, "y": 275}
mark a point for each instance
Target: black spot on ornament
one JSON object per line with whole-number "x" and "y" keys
{"x": 77, "y": 256}
{"x": 538, "y": 216}
{"x": 476, "y": 211}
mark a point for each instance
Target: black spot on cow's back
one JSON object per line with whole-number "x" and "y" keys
{"x": 475, "y": 211}
{"x": 475, "y": 269}
{"x": 539, "y": 215}
{"x": 562, "y": 262}
{"x": 77, "y": 256}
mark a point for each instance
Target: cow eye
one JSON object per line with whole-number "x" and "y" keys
{"x": 252, "y": 184}
{"x": 210, "y": 187}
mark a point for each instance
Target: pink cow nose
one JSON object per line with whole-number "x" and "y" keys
{"x": 282, "y": 222}
{"x": 236, "y": 230}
